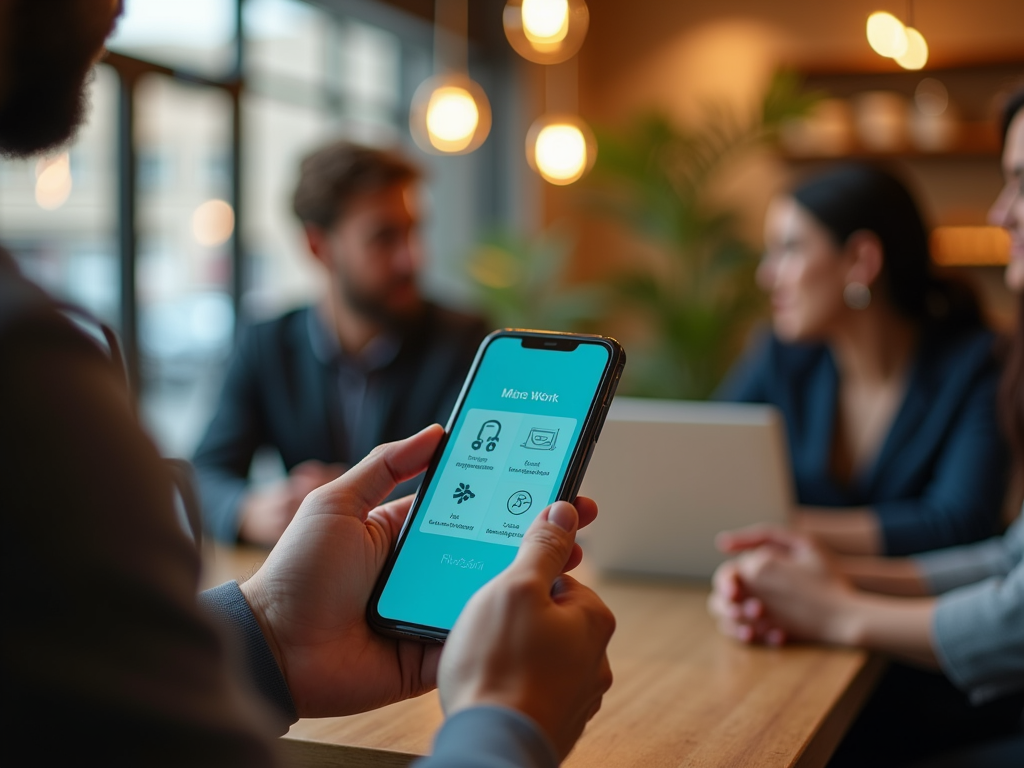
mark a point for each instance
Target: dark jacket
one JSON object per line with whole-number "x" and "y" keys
{"x": 101, "y": 629}
{"x": 278, "y": 393}
{"x": 940, "y": 476}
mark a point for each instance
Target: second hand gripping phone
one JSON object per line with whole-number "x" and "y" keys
{"x": 520, "y": 437}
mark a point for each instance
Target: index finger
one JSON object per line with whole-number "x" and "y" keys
{"x": 755, "y": 536}
{"x": 587, "y": 509}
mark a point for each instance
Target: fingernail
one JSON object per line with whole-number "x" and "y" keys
{"x": 562, "y": 515}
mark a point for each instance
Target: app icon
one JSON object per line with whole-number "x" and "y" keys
{"x": 541, "y": 439}
{"x": 519, "y": 502}
{"x": 492, "y": 429}
{"x": 462, "y": 493}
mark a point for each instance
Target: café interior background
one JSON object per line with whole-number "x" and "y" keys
{"x": 212, "y": 243}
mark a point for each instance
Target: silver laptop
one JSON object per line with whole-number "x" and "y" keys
{"x": 668, "y": 475}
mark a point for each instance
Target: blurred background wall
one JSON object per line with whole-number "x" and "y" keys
{"x": 203, "y": 110}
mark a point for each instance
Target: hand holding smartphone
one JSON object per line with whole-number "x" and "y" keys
{"x": 519, "y": 438}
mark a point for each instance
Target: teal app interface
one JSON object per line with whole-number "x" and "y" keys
{"x": 506, "y": 458}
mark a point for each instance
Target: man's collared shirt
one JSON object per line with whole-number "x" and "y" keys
{"x": 354, "y": 375}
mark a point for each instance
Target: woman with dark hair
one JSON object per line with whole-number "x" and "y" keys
{"x": 884, "y": 373}
{"x": 959, "y": 610}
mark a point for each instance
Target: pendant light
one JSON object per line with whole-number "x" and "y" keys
{"x": 450, "y": 113}
{"x": 891, "y": 38}
{"x": 546, "y": 31}
{"x": 560, "y": 146}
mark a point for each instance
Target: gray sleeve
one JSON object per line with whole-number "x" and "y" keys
{"x": 228, "y": 606}
{"x": 490, "y": 737}
{"x": 946, "y": 569}
{"x": 978, "y": 635}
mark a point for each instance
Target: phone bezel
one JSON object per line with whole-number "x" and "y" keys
{"x": 569, "y": 487}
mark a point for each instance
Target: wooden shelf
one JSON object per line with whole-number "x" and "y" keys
{"x": 976, "y": 145}
{"x": 872, "y": 66}
{"x": 975, "y": 90}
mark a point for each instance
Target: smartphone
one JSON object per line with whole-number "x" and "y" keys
{"x": 519, "y": 438}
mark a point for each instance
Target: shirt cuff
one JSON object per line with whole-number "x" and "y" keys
{"x": 946, "y": 569}
{"x": 490, "y": 737}
{"x": 978, "y": 641}
{"x": 228, "y": 605}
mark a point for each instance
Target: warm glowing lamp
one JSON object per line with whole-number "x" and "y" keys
{"x": 546, "y": 31}
{"x": 452, "y": 118}
{"x": 887, "y": 35}
{"x": 450, "y": 113}
{"x": 545, "y": 22}
{"x": 561, "y": 148}
{"x": 916, "y": 55}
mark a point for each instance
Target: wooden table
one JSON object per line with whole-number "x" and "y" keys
{"x": 683, "y": 695}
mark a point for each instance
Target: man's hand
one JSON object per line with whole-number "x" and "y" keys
{"x": 782, "y": 586}
{"x": 266, "y": 512}
{"x": 310, "y": 595}
{"x": 532, "y": 639}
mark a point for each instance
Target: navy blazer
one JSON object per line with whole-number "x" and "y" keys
{"x": 278, "y": 393}
{"x": 940, "y": 476}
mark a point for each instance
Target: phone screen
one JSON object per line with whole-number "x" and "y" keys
{"x": 506, "y": 458}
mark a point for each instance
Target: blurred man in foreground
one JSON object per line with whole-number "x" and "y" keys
{"x": 109, "y": 658}
{"x": 370, "y": 363}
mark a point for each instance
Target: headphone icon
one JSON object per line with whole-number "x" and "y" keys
{"x": 492, "y": 439}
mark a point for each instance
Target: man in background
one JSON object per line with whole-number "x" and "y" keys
{"x": 370, "y": 363}
{"x": 109, "y": 658}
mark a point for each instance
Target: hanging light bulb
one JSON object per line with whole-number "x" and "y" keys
{"x": 450, "y": 113}
{"x": 546, "y": 31}
{"x": 561, "y": 148}
{"x": 452, "y": 117}
{"x": 545, "y": 22}
{"x": 916, "y": 55}
{"x": 886, "y": 35}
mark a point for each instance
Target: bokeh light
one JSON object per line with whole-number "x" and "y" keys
{"x": 886, "y": 35}
{"x": 213, "y": 223}
{"x": 450, "y": 115}
{"x": 916, "y": 55}
{"x": 53, "y": 181}
{"x": 560, "y": 148}
{"x": 931, "y": 97}
{"x": 546, "y": 31}
{"x": 452, "y": 118}
{"x": 545, "y": 21}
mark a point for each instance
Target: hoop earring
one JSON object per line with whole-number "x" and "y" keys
{"x": 857, "y": 296}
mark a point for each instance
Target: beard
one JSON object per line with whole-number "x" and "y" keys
{"x": 43, "y": 97}
{"x": 376, "y": 306}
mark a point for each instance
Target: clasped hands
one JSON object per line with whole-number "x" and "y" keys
{"x": 532, "y": 639}
{"x": 781, "y": 586}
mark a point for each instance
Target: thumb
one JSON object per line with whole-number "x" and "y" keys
{"x": 548, "y": 543}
